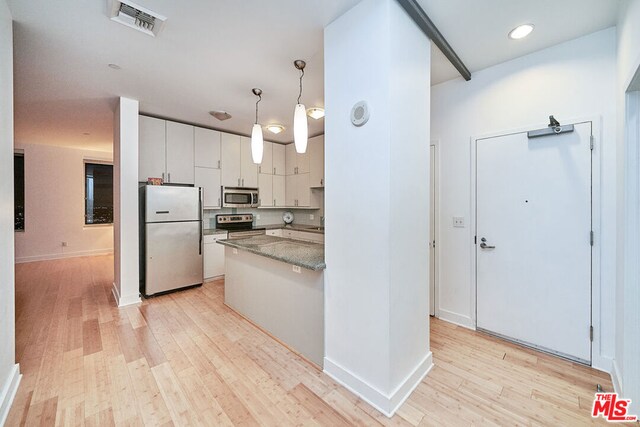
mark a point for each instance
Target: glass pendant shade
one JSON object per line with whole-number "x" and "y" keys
{"x": 300, "y": 130}
{"x": 257, "y": 144}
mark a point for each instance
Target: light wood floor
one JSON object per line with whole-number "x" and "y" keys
{"x": 186, "y": 359}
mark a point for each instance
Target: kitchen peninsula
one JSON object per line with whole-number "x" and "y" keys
{"x": 278, "y": 284}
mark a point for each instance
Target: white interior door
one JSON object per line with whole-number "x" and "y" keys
{"x": 432, "y": 232}
{"x": 533, "y": 208}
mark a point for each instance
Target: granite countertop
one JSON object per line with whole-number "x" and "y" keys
{"x": 210, "y": 231}
{"x": 298, "y": 227}
{"x": 307, "y": 255}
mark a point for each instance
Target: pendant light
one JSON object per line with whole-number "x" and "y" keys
{"x": 257, "y": 143}
{"x": 300, "y": 129}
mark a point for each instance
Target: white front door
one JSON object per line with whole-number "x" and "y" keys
{"x": 533, "y": 217}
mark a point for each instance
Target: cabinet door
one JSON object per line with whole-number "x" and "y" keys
{"x": 152, "y": 146}
{"x": 180, "y": 158}
{"x": 267, "y": 159}
{"x": 303, "y": 193}
{"x": 278, "y": 159}
{"x": 230, "y": 160}
{"x": 209, "y": 180}
{"x": 279, "y": 192}
{"x": 291, "y": 159}
{"x": 214, "y": 258}
{"x": 265, "y": 189}
{"x": 316, "y": 161}
{"x": 291, "y": 190}
{"x": 302, "y": 161}
{"x": 207, "y": 148}
{"x": 248, "y": 169}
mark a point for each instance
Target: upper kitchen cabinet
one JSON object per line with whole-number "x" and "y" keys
{"x": 296, "y": 163}
{"x": 238, "y": 169}
{"x": 278, "y": 159}
{"x": 180, "y": 158}
{"x": 209, "y": 180}
{"x": 230, "y": 156}
{"x": 207, "y": 148}
{"x": 266, "y": 166}
{"x": 316, "y": 161}
{"x": 166, "y": 151}
{"x": 248, "y": 169}
{"x": 152, "y": 155}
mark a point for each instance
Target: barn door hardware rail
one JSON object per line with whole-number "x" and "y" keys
{"x": 554, "y": 128}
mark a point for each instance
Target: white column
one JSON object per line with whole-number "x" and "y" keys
{"x": 377, "y": 204}
{"x": 125, "y": 182}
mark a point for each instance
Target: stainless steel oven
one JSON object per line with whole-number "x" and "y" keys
{"x": 239, "y": 197}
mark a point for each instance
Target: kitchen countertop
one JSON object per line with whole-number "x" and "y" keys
{"x": 210, "y": 231}
{"x": 307, "y": 255}
{"x": 298, "y": 227}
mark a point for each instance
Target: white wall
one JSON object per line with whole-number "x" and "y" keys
{"x": 54, "y": 205}
{"x": 125, "y": 201}
{"x": 572, "y": 80}
{"x": 376, "y": 281}
{"x": 627, "y": 354}
{"x": 9, "y": 372}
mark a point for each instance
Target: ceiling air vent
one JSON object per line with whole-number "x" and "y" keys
{"x": 137, "y": 17}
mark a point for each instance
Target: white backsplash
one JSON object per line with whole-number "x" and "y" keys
{"x": 267, "y": 216}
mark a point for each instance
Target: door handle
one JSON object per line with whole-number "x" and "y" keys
{"x": 483, "y": 244}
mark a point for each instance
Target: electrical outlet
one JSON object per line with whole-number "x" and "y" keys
{"x": 64, "y": 244}
{"x": 458, "y": 221}
{"x": 235, "y": 251}
{"x": 311, "y": 216}
{"x": 258, "y": 216}
{"x": 296, "y": 269}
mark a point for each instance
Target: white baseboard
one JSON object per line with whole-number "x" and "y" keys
{"x": 616, "y": 378}
{"x": 8, "y": 392}
{"x": 457, "y": 319}
{"x": 124, "y": 301}
{"x": 106, "y": 251}
{"x": 388, "y": 404}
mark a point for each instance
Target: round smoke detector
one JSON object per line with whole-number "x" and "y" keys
{"x": 360, "y": 113}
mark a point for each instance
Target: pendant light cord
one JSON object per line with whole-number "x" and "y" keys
{"x": 300, "y": 94}
{"x": 257, "y": 102}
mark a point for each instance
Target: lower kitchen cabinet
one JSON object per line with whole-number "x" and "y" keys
{"x": 209, "y": 180}
{"x": 213, "y": 256}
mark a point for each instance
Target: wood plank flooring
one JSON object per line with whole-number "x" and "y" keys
{"x": 186, "y": 359}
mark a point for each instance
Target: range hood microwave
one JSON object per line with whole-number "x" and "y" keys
{"x": 239, "y": 197}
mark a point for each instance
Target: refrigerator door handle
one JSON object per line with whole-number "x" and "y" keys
{"x": 201, "y": 221}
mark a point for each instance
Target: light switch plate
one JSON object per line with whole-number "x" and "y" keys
{"x": 296, "y": 269}
{"x": 257, "y": 216}
{"x": 311, "y": 216}
{"x": 458, "y": 221}
{"x": 235, "y": 251}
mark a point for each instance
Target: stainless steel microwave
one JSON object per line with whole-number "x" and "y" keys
{"x": 240, "y": 197}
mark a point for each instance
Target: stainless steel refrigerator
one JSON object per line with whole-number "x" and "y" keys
{"x": 171, "y": 238}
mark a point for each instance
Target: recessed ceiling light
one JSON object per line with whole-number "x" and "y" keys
{"x": 220, "y": 115}
{"x": 115, "y": 66}
{"x": 521, "y": 31}
{"x": 275, "y": 128}
{"x": 315, "y": 113}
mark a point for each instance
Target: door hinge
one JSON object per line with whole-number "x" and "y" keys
{"x": 591, "y": 333}
{"x": 592, "y": 143}
{"x": 591, "y": 237}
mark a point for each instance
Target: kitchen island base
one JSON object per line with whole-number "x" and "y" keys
{"x": 287, "y": 304}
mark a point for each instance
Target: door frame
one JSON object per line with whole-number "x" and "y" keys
{"x": 596, "y": 130}
{"x": 436, "y": 221}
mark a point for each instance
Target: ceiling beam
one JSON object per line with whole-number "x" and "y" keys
{"x": 420, "y": 17}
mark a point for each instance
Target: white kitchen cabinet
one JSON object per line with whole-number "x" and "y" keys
{"x": 152, "y": 146}
{"x": 279, "y": 191}
{"x": 303, "y": 235}
{"x": 180, "y": 156}
{"x": 207, "y": 148}
{"x": 296, "y": 163}
{"x": 230, "y": 160}
{"x": 265, "y": 190}
{"x": 275, "y": 233}
{"x": 297, "y": 192}
{"x": 213, "y": 256}
{"x": 302, "y": 161}
{"x": 209, "y": 180}
{"x": 248, "y": 169}
{"x": 278, "y": 159}
{"x": 266, "y": 166}
{"x": 316, "y": 161}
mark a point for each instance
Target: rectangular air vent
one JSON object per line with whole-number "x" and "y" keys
{"x": 137, "y": 17}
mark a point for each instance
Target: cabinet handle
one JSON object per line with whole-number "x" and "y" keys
{"x": 162, "y": 176}
{"x": 259, "y": 169}
{"x": 238, "y": 182}
{"x": 169, "y": 175}
{"x": 322, "y": 182}
{"x": 218, "y": 164}
{"x": 274, "y": 171}
{"x": 243, "y": 182}
{"x": 274, "y": 202}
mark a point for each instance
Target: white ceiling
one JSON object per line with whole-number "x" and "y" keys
{"x": 212, "y": 52}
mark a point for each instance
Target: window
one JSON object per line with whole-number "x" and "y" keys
{"x": 18, "y": 191}
{"x": 98, "y": 190}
